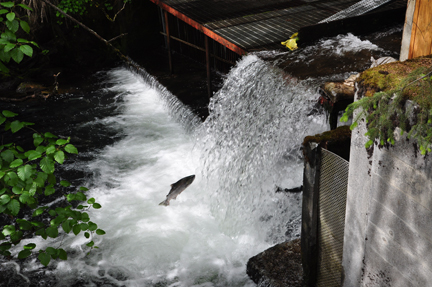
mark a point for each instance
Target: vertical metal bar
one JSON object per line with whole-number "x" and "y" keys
{"x": 207, "y": 47}
{"x": 168, "y": 42}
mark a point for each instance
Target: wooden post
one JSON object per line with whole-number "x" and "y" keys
{"x": 207, "y": 47}
{"x": 168, "y": 42}
{"x": 417, "y": 35}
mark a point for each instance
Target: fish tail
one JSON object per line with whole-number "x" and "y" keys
{"x": 165, "y": 202}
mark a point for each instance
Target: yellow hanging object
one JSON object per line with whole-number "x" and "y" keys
{"x": 291, "y": 43}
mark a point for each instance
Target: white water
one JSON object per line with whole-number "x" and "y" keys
{"x": 248, "y": 146}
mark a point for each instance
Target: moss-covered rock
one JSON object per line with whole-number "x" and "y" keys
{"x": 391, "y": 76}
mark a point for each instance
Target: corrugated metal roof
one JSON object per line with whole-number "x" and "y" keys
{"x": 253, "y": 24}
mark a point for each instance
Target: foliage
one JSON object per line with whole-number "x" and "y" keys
{"x": 387, "y": 110}
{"x": 81, "y": 7}
{"x": 12, "y": 47}
{"x": 25, "y": 178}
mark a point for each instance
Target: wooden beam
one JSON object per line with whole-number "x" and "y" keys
{"x": 209, "y": 86}
{"x": 168, "y": 42}
{"x": 421, "y": 35}
{"x": 201, "y": 49}
{"x": 233, "y": 47}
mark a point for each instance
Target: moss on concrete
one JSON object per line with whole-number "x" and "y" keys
{"x": 393, "y": 76}
{"x": 336, "y": 141}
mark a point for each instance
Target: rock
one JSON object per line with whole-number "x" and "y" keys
{"x": 278, "y": 266}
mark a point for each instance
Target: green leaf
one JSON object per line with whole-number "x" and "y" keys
{"x": 84, "y": 226}
{"x": 71, "y": 149}
{"x": 2, "y": 190}
{"x": 97, "y": 206}
{"x": 3, "y": 68}
{"x": 7, "y": 4}
{"x": 41, "y": 178}
{"x": 92, "y": 226}
{"x": 13, "y": 178}
{"x": 26, "y": 7}
{"x": 17, "y": 55}
{"x": 16, "y": 125}
{"x": 59, "y": 157}
{"x": 16, "y": 237}
{"x": 30, "y": 246}
{"x": 49, "y": 190}
{"x": 39, "y": 211}
{"x": 2, "y": 173}
{"x": 24, "y": 224}
{"x": 51, "y": 149}
{"x": 9, "y": 35}
{"x": 24, "y": 254}
{"x": 354, "y": 125}
{"x": 25, "y": 197}
{"x": 16, "y": 163}
{"x": 5, "y": 246}
{"x": 100, "y": 232}
{"x": 91, "y": 201}
{"x": 9, "y": 114}
{"x": 10, "y": 16}
{"x": 90, "y": 244}
{"x": 4, "y": 199}
{"x": 87, "y": 235}
{"x": 369, "y": 143}
{"x": 65, "y": 183}
{"x": 27, "y": 50}
{"x": 66, "y": 226}
{"x": 62, "y": 254}
{"x": 47, "y": 165}
{"x": 14, "y": 207}
{"x": 7, "y": 155}
{"x": 80, "y": 196}
{"x": 13, "y": 25}
{"x": 52, "y": 231}
{"x": 3, "y": 11}
{"x": 17, "y": 190}
{"x": 32, "y": 155}
{"x": 42, "y": 233}
{"x": 2, "y": 119}
{"x": 37, "y": 141}
{"x": 44, "y": 258}
{"x": 76, "y": 229}
{"x": 49, "y": 135}
{"x": 61, "y": 142}
{"x": 82, "y": 188}
{"x": 8, "y": 230}
{"x": 25, "y": 26}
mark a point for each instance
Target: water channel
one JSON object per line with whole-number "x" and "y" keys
{"x": 137, "y": 138}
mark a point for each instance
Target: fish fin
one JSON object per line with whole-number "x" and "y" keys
{"x": 165, "y": 202}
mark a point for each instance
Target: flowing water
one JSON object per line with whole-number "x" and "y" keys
{"x": 246, "y": 148}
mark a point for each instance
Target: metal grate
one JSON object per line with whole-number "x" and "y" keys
{"x": 357, "y": 9}
{"x": 332, "y": 203}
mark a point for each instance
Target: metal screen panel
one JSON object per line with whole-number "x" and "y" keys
{"x": 331, "y": 207}
{"x": 357, "y": 9}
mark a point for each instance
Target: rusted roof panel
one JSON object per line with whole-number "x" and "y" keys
{"x": 247, "y": 25}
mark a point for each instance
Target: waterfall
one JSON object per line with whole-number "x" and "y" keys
{"x": 247, "y": 147}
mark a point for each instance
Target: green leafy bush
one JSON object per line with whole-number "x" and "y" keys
{"x": 28, "y": 175}
{"x": 11, "y": 46}
{"x": 386, "y": 110}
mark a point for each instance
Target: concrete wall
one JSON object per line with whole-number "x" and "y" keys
{"x": 388, "y": 226}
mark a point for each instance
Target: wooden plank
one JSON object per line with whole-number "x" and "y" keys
{"x": 233, "y": 47}
{"x": 421, "y": 35}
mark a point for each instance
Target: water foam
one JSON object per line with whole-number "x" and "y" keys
{"x": 248, "y": 145}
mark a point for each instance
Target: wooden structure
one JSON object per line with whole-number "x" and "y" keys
{"x": 417, "y": 37}
{"x": 223, "y": 30}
